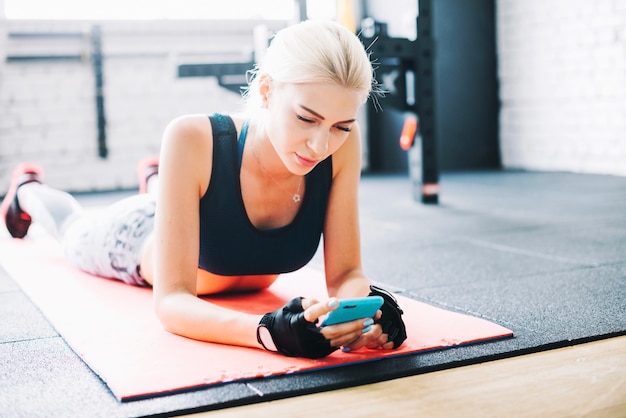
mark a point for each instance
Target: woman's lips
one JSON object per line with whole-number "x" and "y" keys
{"x": 306, "y": 162}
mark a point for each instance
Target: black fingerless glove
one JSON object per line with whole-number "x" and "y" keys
{"x": 291, "y": 334}
{"x": 391, "y": 319}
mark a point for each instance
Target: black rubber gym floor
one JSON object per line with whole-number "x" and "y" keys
{"x": 543, "y": 254}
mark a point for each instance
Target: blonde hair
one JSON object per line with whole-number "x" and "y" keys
{"x": 313, "y": 51}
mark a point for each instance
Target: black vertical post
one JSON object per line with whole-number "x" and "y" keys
{"x": 96, "y": 57}
{"x": 428, "y": 187}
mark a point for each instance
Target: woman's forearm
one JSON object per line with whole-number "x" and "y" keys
{"x": 189, "y": 316}
{"x": 352, "y": 284}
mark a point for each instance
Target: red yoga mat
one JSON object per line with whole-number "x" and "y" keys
{"x": 113, "y": 328}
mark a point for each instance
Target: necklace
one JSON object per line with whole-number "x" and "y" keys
{"x": 296, "y": 197}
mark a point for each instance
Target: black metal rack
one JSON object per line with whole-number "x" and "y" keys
{"x": 410, "y": 66}
{"x": 231, "y": 76}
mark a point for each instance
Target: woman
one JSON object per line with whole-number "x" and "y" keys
{"x": 267, "y": 186}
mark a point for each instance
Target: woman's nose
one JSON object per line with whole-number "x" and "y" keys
{"x": 318, "y": 143}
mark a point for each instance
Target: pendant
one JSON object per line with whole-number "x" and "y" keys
{"x": 296, "y": 197}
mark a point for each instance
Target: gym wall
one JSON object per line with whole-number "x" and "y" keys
{"x": 464, "y": 104}
{"x": 548, "y": 93}
{"x": 48, "y": 108}
{"x": 562, "y": 75}
{"x": 561, "y": 70}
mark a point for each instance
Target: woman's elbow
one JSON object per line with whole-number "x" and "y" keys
{"x": 166, "y": 312}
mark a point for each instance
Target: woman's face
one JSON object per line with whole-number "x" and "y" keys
{"x": 308, "y": 122}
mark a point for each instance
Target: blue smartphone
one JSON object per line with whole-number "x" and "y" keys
{"x": 354, "y": 308}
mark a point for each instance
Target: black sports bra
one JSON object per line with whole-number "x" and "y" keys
{"x": 230, "y": 244}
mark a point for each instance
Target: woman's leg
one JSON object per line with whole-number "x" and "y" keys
{"x": 28, "y": 200}
{"x": 147, "y": 173}
{"x": 54, "y": 209}
{"x": 109, "y": 242}
{"x": 106, "y": 243}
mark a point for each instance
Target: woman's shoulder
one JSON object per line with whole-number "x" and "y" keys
{"x": 187, "y": 150}
{"x": 199, "y": 125}
{"x": 188, "y": 126}
{"x": 187, "y": 138}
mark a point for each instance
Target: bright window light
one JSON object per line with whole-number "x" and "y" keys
{"x": 149, "y": 9}
{"x": 321, "y": 9}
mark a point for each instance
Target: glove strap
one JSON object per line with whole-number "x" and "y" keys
{"x": 264, "y": 335}
{"x": 389, "y": 298}
{"x": 391, "y": 320}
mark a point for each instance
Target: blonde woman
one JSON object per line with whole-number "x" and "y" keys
{"x": 240, "y": 200}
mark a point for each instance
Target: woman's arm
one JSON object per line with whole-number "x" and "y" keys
{"x": 342, "y": 248}
{"x": 184, "y": 174}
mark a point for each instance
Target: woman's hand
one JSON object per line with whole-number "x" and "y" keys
{"x": 349, "y": 335}
{"x": 294, "y": 331}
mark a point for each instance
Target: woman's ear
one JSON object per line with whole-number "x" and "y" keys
{"x": 265, "y": 82}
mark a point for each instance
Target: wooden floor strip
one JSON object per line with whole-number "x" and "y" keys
{"x": 587, "y": 380}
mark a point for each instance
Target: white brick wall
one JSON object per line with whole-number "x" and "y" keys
{"x": 562, "y": 71}
{"x": 561, "y": 65}
{"x": 48, "y": 112}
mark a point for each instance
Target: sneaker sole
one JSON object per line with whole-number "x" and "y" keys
{"x": 20, "y": 170}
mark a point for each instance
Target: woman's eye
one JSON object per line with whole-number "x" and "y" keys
{"x": 303, "y": 119}
{"x": 343, "y": 128}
